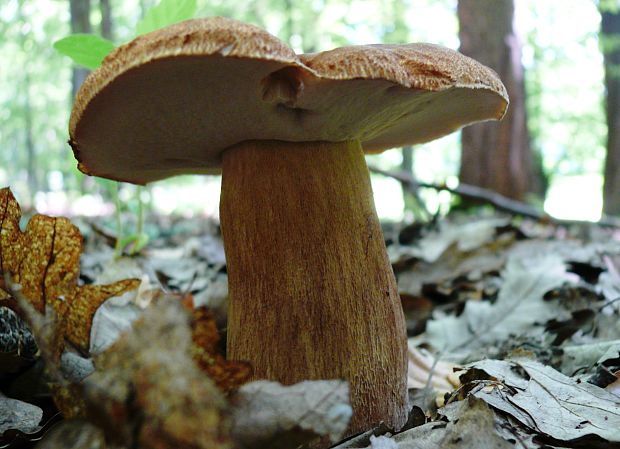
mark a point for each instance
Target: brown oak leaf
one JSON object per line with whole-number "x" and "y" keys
{"x": 44, "y": 261}
{"x": 227, "y": 375}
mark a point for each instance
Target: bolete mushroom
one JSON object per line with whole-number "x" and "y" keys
{"x": 312, "y": 292}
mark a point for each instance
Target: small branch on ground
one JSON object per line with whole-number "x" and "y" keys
{"x": 500, "y": 202}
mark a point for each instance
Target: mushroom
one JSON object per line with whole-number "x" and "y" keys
{"x": 312, "y": 292}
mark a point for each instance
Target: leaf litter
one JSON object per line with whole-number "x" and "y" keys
{"x": 546, "y": 400}
{"x": 144, "y": 366}
{"x": 514, "y": 340}
{"x": 542, "y": 348}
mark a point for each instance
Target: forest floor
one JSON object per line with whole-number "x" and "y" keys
{"x": 513, "y": 325}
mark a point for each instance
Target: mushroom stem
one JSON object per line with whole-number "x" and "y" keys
{"x": 312, "y": 292}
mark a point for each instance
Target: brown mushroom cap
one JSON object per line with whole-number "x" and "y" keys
{"x": 172, "y": 101}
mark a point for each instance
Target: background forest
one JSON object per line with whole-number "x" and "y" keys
{"x": 558, "y": 147}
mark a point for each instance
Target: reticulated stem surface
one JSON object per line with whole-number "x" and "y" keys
{"x": 312, "y": 292}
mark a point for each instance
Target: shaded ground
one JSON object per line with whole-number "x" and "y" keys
{"x": 530, "y": 311}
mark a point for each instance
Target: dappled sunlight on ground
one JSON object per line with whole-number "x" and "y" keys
{"x": 575, "y": 197}
{"x": 569, "y": 197}
{"x": 188, "y": 196}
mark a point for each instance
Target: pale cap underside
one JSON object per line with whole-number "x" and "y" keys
{"x": 171, "y": 102}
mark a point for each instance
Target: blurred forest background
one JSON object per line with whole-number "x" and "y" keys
{"x": 557, "y": 148}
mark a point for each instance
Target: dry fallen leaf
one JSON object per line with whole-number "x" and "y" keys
{"x": 228, "y": 375}
{"x": 147, "y": 392}
{"x": 382, "y": 442}
{"x": 268, "y": 415}
{"x": 473, "y": 426}
{"x": 614, "y": 387}
{"x": 519, "y": 308}
{"x": 17, "y": 345}
{"x": 44, "y": 261}
{"x": 18, "y": 415}
{"x": 75, "y": 434}
{"x": 549, "y": 402}
{"x": 467, "y": 236}
{"x": 424, "y": 369}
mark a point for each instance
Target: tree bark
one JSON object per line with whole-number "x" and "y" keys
{"x": 31, "y": 166}
{"x": 289, "y": 21}
{"x": 33, "y": 181}
{"x": 497, "y": 156}
{"x": 312, "y": 291}
{"x": 80, "y": 23}
{"x": 106, "y": 19}
{"x": 610, "y": 39}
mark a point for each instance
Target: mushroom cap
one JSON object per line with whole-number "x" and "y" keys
{"x": 172, "y": 101}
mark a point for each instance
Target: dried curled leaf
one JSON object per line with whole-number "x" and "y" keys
{"x": 82, "y": 309}
{"x": 148, "y": 393}
{"x": 68, "y": 399}
{"x": 18, "y": 415}
{"x": 423, "y": 366}
{"x": 268, "y": 415}
{"x": 44, "y": 260}
{"x": 74, "y": 434}
{"x": 227, "y": 375}
{"x": 548, "y": 402}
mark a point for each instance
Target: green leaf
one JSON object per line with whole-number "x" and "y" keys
{"x": 166, "y": 13}
{"x": 87, "y": 50}
{"x": 134, "y": 242}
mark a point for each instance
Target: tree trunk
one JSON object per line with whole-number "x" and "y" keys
{"x": 80, "y": 23}
{"x": 289, "y": 24}
{"x": 106, "y": 19}
{"x": 145, "y": 5}
{"x": 33, "y": 182}
{"x": 497, "y": 156}
{"x": 610, "y": 33}
{"x": 406, "y": 164}
{"x": 31, "y": 168}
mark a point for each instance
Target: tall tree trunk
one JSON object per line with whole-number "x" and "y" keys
{"x": 144, "y": 6}
{"x": 106, "y": 19}
{"x": 33, "y": 181}
{"x": 610, "y": 30}
{"x": 495, "y": 155}
{"x": 80, "y": 23}
{"x": 406, "y": 165}
{"x": 31, "y": 166}
{"x": 289, "y": 21}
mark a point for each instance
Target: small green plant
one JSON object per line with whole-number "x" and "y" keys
{"x": 134, "y": 242}
{"x": 166, "y": 13}
{"x": 89, "y": 50}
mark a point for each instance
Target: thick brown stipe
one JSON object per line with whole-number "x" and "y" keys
{"x": 312, "y": 293}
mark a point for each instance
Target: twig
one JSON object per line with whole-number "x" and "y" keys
{"x": 497, "y": 200}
